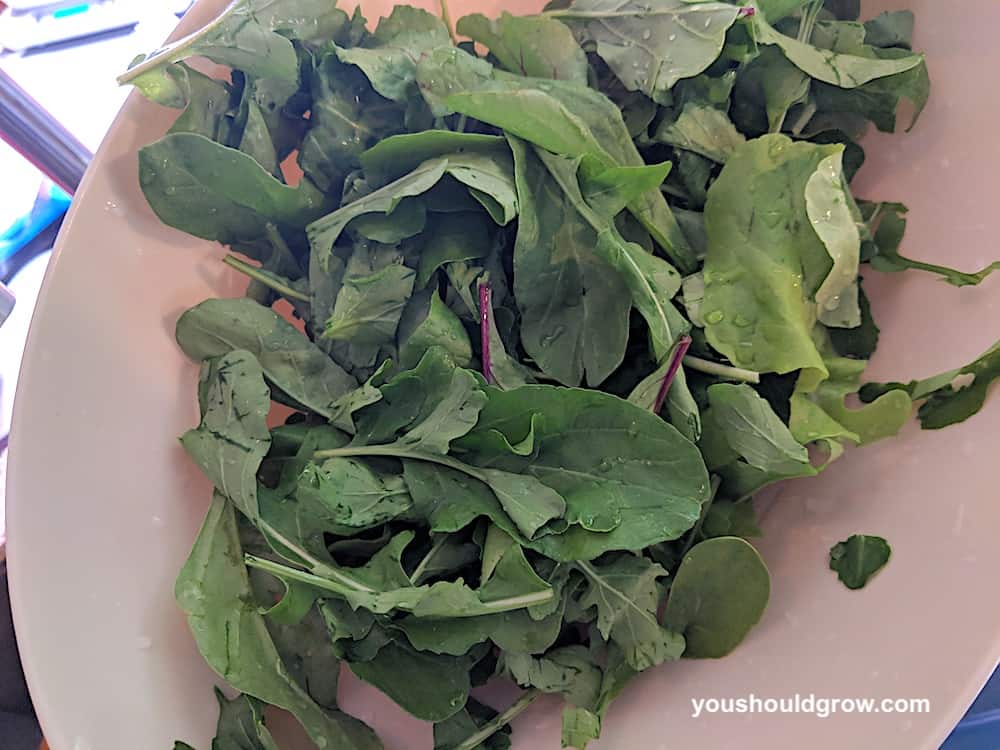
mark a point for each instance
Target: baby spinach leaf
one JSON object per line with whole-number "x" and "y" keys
{"x": 766, "y": 89}
{"x": 389, "y": 56}
{"x": 652, "y": 488}
{"x": 727, "y": 518}
{"x": 626, "y": 597}
{"x": 705, "y": 130}
{"x": 579, "y": 726}
{"x": 219, "y": 193}
{"x": 244, "y": 37}
{"x": 428, "y": 686}
{"x": 719, "y": 593}
{"x": 569, "y": 297}
{"x": 232, "y": 439}
{"x": 860, "y": 342}
{"x": 890, "y": 29}
{"x": 858, "y": 558}
{"x": 396, "y": 155}
{"x": 846, "y": 70}
{"x": 534, "y": 46}
{"x": 454, "y": 237}
{"x": 206, "y": 103}
{"x": 213, "y": 589}
{"x": 651, "y": 48}
{"x": 289, "y": 360}
{"x": 949, "y": 398}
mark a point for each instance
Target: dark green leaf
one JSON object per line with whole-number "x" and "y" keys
{"x": 858, "y": 558}
{"x": 528, "y": 45}
{"x": 289, "y": 360}
{"x": 702, "y": 129}
{"x": 719, "y": 593}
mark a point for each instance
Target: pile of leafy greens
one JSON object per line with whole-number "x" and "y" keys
{"x": 554, "y": 302}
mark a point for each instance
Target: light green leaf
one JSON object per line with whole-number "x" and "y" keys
{"x": 533, "y": 46}
{"x": 705, "y": 130}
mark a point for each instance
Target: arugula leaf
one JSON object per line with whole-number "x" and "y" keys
{"x": 889, "y": 221}
{"x": 949, "y": 398}
{"x": 650, "y": 49}
{"x": 534, "y": 46}
{"x": 568, "y": 671}
{"x": 232, "y": 439}
{"x": 767, "y": 88}
{"x": 846, "y": 70}
{"x": 719, "y": 593}
{"x": 241, "y": 725}
{"x": 579, "y": 726}
{"x": 219, "y": 193}
{"x": 440, "y": 327}
{"x": 858, "y": 558}
{"x": 626, "y": 597}
{"x": 449, "y": 734}
{"x": 289, "y": 360}
{"x": 212, "y": 589}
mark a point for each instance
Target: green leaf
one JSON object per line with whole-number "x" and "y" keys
{"x": 349, "y": 496}
{"x": 533, "y": 46}
{"x": 860, "y": 342}
{"x": 441, "y": 327}
{"x": 890, "y": 29}
{"x": 626, "y": 596}
{"x": 651, "y": 48}
{"x": 452, "y": 238}
{"x": 205, "y": 100}
{"x": 218, "y": 193}
{"x": 765, "y": 261}
{"x": 428, "y": 686}
{"x": 890, "y": 225}
{"x": 949, "y": 398}
{"x": 579, "y": 727}
{"x": 344, "y": 119}
{"x": 232, "y": 439}
{"x": 396, "y": 155}
{"x": 839, "y": 69}
{"x": 568, "y": 671}
{"x": 719, "y": 593}
{"x": 629, "y": 479}
{"x": 568, "y": 296}
{"x": 342, "y": 411}
{"x": 245, "y": 37}
{"x": 726, "y": 518}
{"x": 835, "y": 219}
{"x": 241, "y": 725}
{"x": 324, "y": 232}
{"x": 876, "y": 421}
{"x": 290, "y": 361}
{"x": 754, "y": 431}
{"x": 858, "y": 558}
{"x": 371, "y": 300}
{"x": 766, "y": 89}
{"x": 560, "y": 116}
{"x": 389, "y": 56}
{"x": 213, "y": 590}
{"x": 705, "y": 130}
{"x": 451, "y": 733}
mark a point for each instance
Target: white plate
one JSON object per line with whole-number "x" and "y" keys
{"x": 104, "y": 506}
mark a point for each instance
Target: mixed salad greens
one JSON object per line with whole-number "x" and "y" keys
{"x": 553, "y": 297}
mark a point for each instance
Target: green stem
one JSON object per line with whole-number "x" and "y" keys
{"x": 266, "y": 279}
{"x": 492, "y": 727}
{"x": 495, "y": 606}
{"x": 809, "y": 17}
{"x": 723, "y": 371}
{"x": 391, "y": 451}
{"x": 808, "y": 110}
{"x": 431, "y": 553}
{"x": 326, "y": 572}
{"x": 446, "y": 17}
{"x": 460, "y": 126}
